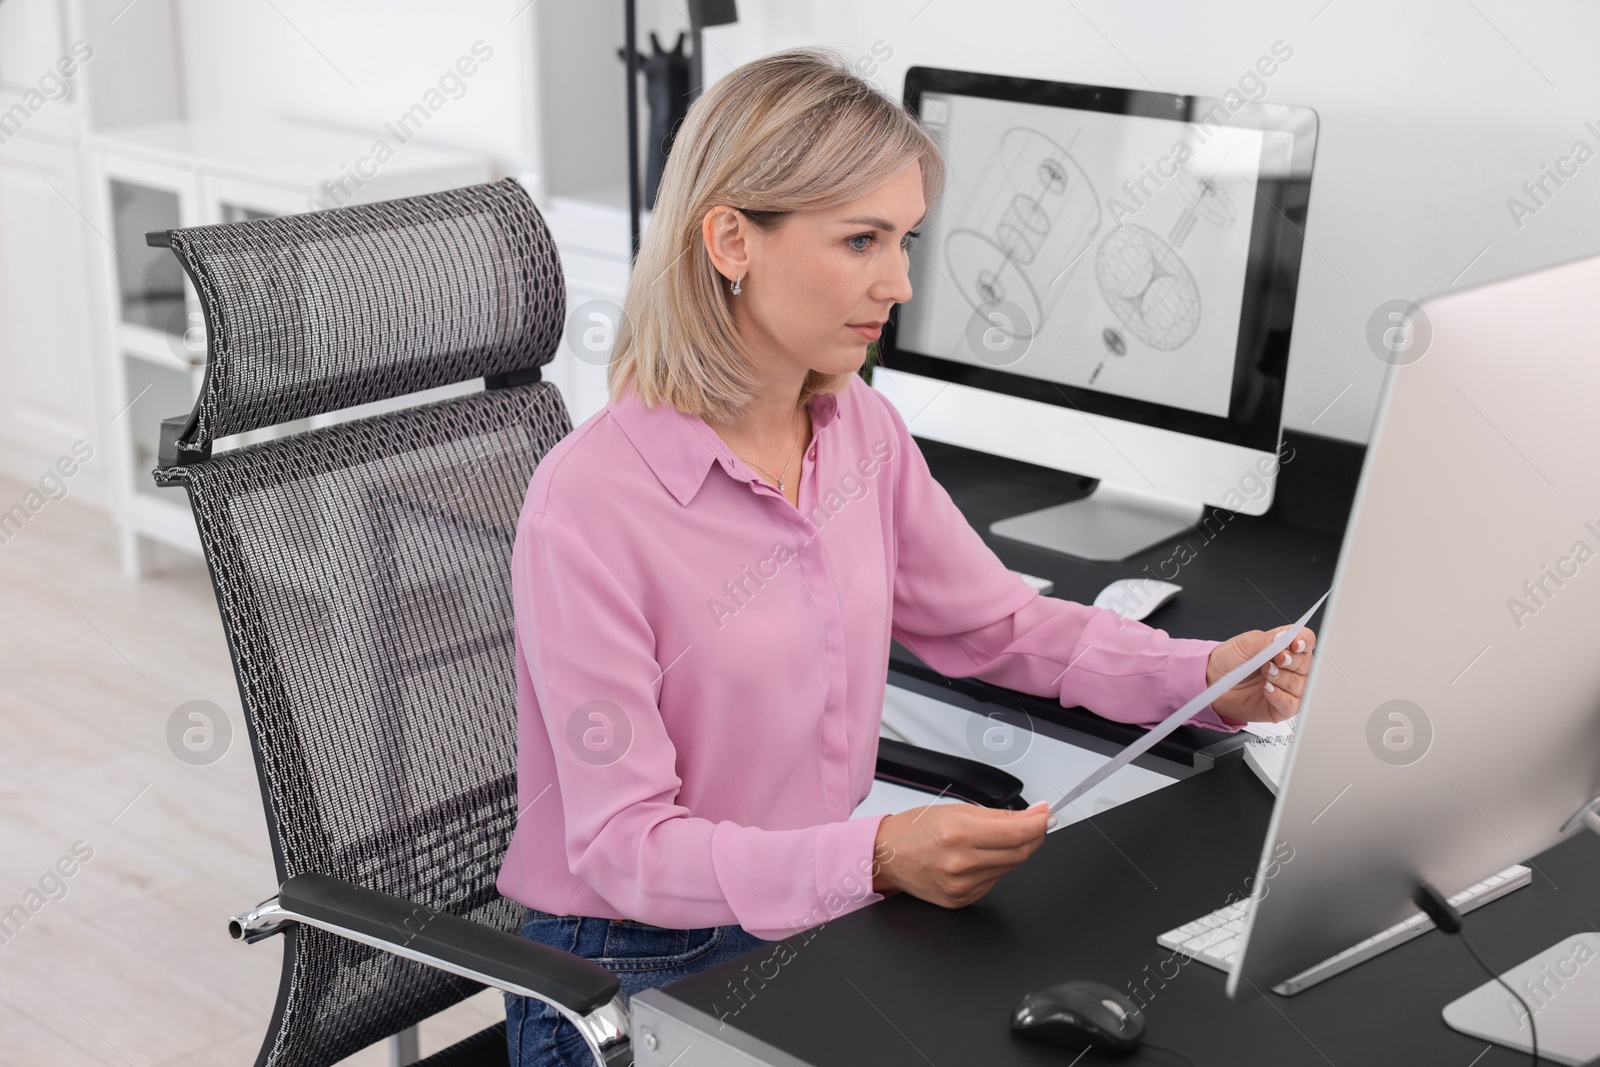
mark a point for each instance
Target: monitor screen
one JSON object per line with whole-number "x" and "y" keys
{"x": 1131, "y": 254}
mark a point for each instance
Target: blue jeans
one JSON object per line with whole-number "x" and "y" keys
{"x": 642, "y": 956}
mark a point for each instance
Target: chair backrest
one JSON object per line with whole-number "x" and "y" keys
{"x": 362, "y": 569}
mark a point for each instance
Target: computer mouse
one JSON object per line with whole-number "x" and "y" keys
{"x": 1134, "y": 598}
{"x": 1071, "y": 1015}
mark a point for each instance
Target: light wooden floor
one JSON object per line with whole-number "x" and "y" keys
{"x": 133, "y": 966}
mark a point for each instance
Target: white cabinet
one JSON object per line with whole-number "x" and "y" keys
{"x": 46, "y": 391}
{"x": 101, "y": 337}
{"x": 179, "y": 174}
{"x": 46, "y": 387}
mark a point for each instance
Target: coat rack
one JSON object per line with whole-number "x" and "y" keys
{"x": 673, "y": 83}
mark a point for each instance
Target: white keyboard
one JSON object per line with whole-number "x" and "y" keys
{"x": 1044, "y": 585}
{"x": 1214, "y": 939}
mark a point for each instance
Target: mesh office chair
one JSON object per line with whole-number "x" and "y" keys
{"x": 362, "y": 571}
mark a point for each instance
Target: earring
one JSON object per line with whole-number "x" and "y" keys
{"x": 736, "y": 289}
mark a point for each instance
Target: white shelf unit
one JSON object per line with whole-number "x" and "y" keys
{"x": 178, "y": 174}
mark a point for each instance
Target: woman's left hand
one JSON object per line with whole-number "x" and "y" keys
{"x": 1272, "y": 693}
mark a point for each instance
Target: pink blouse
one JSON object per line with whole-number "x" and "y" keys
{"x": 701, "y": 666}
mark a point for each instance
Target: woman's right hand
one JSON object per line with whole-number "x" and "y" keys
{"x": 952, "y": 854}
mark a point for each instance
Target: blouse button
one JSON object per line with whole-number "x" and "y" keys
{"x": 813, "y": 452}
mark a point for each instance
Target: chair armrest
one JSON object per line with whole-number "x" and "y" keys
{"x": 957, "y": 776}
{"x": 585, "y": 993}
{"x": 450, "y": 942}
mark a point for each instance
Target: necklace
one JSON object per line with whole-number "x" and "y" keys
{"x": 783, "y": 485}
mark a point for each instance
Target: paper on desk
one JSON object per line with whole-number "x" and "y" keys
{"x": 1189, "y": 710}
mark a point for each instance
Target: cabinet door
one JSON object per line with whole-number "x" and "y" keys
{"x": 154, "y": 342}
{"x": 156, "y": 307}
{"x": 40, "y": 70}
{"x": 228, "y": 199}
{"x": 46, "y": 403}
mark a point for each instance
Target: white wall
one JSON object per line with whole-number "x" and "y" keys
{"x": 581, "y": 75}
{"x": 135, "y": 45}
{"x": 1432, "y": 114}
{"x": 360, "y": 63}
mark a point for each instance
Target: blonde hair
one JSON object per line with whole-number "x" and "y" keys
{"x": 795, "y": 130}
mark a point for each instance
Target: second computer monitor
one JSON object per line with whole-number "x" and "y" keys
{"x": 1450, "y": 725}
{"x": 1107, "y": 287}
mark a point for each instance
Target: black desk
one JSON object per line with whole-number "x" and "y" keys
{"x": 1239, "y": 572}
{"x": 905, "y": 982}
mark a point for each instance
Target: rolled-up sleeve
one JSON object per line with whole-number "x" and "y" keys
{"x": 960, "y": 610}
{"x": 594, "y": 668}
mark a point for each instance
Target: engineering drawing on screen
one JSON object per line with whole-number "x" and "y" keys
{"x": 1144, "y": 281}
{"x": 1038, "y": 214}
{"x": 1113, "y": 247}
{"x": 1148, "y": 286}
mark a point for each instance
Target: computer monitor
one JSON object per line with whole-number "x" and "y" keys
{"x": 1106, "y": 287}
{"x": 1450, "y": 724}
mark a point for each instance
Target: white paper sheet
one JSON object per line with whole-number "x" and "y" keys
{"x": 1189, "y": 710}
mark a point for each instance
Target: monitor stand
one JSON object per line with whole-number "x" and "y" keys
{"x": 1110, "y": 524}
{"x": 1561, "y": 985}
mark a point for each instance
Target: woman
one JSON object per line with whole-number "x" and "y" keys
{"x": 708, "y": 571}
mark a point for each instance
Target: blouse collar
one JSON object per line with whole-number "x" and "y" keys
{"x": 681, "y": 448}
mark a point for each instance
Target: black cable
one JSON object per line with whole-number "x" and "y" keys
{"x": 1448, "y": 919}
{"x": 1533, "y": 1029}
